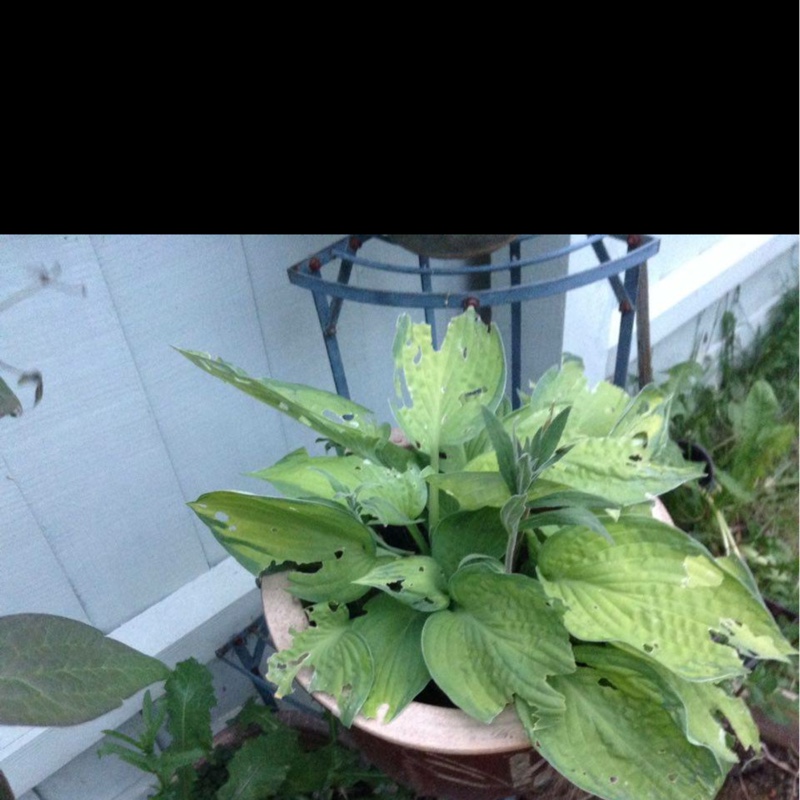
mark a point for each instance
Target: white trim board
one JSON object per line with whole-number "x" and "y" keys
{"x": 694, "y": 286}
{"x": 194, "y": 621}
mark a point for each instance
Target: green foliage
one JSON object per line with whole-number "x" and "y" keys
{"x": 534, "y": 540}
{"x": 746, "y": 418}
{"x": 267, "y": 760}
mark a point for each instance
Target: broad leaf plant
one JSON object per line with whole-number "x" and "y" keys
{"x": 509, "y": 558}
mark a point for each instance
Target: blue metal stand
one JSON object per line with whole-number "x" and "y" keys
{"x": 316, "y": 273}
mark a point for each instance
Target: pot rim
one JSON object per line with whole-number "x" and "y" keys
{"x": 419, "y": 726}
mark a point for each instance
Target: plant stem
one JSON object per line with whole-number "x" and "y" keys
{"x": 433, "y": 491}
{"x": 419, "y": 539}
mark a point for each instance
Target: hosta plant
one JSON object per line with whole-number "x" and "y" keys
{"x": 507, "y": 558}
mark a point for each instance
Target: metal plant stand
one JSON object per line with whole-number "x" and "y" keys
{"x": 327, "y": 275}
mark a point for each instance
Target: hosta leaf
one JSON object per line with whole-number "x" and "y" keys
{"x": 391, "y": 496}
{"x": 473, "y": 490}
{"x": 340, "y": 657}
{"x": 499, "y": 638}
{"x": 698, "y": 707}
{"x": 58, "y": 671}
{"x": 594, "y": 411}
{"x": 416, "y": 581}
{"x": 467, "y": 533}
{"x": 393, "y": 633}
{"x": 341, "y": 420}
{"x": 261, "y": 532}
{"x": 660, "y": 592}
{"x": 620, "y": 744}
{"x": 441, "y": 392}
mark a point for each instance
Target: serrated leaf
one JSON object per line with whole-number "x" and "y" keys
{"x": 499, "y": 638}
{"x": 256, "y": 771}
{"x": 189, "y": 697}
{"x": 341, "y": 420}
{"x": 440, "y": 393}
{"x": 621, "y": 744}
{"x": 58, "y": 671}
{"x": 261, "y": 532}
{"x": 340, "y": 657}
{"x": 660, "y": 592}
{"x": 416, "y": 581}
{"x": 467, "y": 533}
{"x": 393, "y": 632}
{"x": 391, "y": 496}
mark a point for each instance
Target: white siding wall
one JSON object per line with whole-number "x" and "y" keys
{"x": 96, "y": 478}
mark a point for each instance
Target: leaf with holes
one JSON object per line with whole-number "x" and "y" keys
{"x": 262, "y": 532}
{"x": 416, "y": 581}
{"x": 699, "y": 707}
{"x": 660, "y": 592}
{"x": 389, "y": 495}
{"x": 58, "y": 671}
{"x": 500, "y": 637}
{"x": 618, "y": 742}
{"x": 341, "y": 420}
{"x": 393, "y": 632}
{"x": 339, "y": 656}
{"x": 440, "y": 393}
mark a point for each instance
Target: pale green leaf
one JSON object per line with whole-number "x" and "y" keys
{"x": 340, "y": 657}
{"x": 261, "y": 532}
{"x": 473, "y": 490}
{"x": 58, "y": 671}
{"x": 698, "y": 707}
{"x": 393, "y": 633}
{"x": 341, "y": 420}
{"x": 440, "y": 393}
{"x": 618, "y": 743}
{"x": 660, "y": 592}
{"x": 499, "y": 638}
{"x": 416, "y": 581}
{"x": 391, "y": 496}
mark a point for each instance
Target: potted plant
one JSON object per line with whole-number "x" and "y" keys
{"x": 505, "y": 568}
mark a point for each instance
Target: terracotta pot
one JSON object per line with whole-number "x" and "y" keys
{"x": 439, "y": 752}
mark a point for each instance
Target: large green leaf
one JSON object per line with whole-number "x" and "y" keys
{"x": 261, "y": 532}
{"x": 340, "y": 657}
{"x": 617, "y": 741}
{"x": 393, "y": 633}
{"x": 57, "y": 671}
{"x": 341, "y": 420}
{"x": 415, "y": 581}
{"x": 440, "y": 393}
{"x": 699, "y": 708}
{"x": 499, "y": 638}
{"x": 467, "y": 533}
{"x": 391, "y": 496}
{"x": 660, "y": 592}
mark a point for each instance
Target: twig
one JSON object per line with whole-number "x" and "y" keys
{"x": 777, "y": 762}
{"x": 743, "y": 787}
